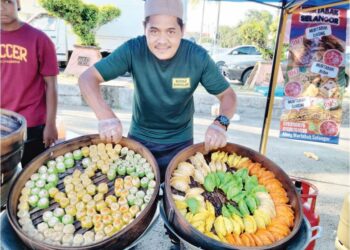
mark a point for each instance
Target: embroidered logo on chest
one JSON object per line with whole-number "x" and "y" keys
{"x": 181, "y": 83}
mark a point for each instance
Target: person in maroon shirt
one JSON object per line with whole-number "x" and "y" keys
{"x": 28, "y": 78}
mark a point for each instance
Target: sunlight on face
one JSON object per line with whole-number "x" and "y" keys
{"x": 163, "y": 35}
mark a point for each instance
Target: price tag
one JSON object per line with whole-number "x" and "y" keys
{"x": 318, "y": 31}
{"x": 293, "y": 72}
{"x": 324, "y": 69}
{"x": 330, "y": 103}
{"x": 296, "y": 103}
{"x": 296, "y": 42}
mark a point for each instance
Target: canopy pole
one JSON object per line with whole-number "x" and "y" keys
{"x": 321, "y": 7}
{"x": 290, "y": 4}
{"x": 273, "y": 80}
{"x": 293, "y": 8}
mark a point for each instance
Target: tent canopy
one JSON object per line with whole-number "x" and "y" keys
{"x": 283, "y": 3}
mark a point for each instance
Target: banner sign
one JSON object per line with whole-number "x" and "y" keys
{"x": 315, "y": 76}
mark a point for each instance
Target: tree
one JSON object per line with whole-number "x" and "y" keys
{"x": 229, "y": 37}
{"x": 261, "y": 16}
{"x": 256, "y": 28}
{"x": 85, "y": 19}
{"x": 253, "y": 32}
{"x": 206, "y": 39}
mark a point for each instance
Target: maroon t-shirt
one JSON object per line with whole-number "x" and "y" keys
{"x": 26, "y": 56}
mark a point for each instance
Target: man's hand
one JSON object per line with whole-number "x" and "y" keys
{"x": 215, "y": 137}
{"x": 110, "y": 130}
{"x": 50, "y": 134}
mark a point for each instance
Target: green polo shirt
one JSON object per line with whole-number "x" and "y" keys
{"x": 163, "y": 106}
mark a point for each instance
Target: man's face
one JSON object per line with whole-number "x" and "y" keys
{"x": 9, "y": 11}
{"x": 163, "y": 35}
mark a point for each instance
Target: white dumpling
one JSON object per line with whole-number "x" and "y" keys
{"x": 23, "y": 214}
{"x": 56, "y": 243}
{"x": 48, "y": 241}
{"x": 57, "y": 236}
{"x": 67, "y": 239}
{"x": 124, "y": 151}
{"x": 58, "y": 227}
{"x": 185, "y": 168}
{"x": 39, "y": 237}
{"x": 142, "y": 161}
{"x": 48, "y": 233}
{"x": 69, "y": 229}
{"x": 28, "y": 227}
{"x": 42, "y": 227}
{"x": 32, "y": 233}
{"x": 53, "y": 221}
{"x": 47, "y": 215}
{"x": 137, "y": 156}
{"x": 25, "y": 221}
{"x": 99, "y": 236}
{"x": 180, "y": 183}
{"x": 78, "y": 240}
{"x": 89, "y": 237}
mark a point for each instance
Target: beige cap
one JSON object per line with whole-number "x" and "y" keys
{"x": 164, "y": 7}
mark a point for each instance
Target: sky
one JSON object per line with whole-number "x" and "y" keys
{"x": 194, "y": 13}
{"x": 230, "y": 14}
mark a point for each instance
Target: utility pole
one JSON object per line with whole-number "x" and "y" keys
{"x": 202, "y": 22}
{"x": 217, "y": 26}
{"x": 185, "y": 5}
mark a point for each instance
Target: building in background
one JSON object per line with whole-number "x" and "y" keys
{"x": 109, "y": 36}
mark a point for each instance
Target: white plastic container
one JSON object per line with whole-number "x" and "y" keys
{"x": 342, "y": 240}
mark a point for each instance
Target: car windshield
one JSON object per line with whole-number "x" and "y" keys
{"x": 246, "y": 50}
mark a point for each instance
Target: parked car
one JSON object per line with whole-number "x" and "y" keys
{"x": 238, "y": 63}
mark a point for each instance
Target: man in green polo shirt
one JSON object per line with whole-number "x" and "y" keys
{"x": 166, "y": 70}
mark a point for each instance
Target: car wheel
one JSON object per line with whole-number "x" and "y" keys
{"x": 246, "y": 76}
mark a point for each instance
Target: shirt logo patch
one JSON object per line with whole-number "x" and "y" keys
{"x": 181, "y": 83}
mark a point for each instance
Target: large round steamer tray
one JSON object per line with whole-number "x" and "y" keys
{"x": 14, "y": 243}
{"x": 13, "y": 128}
{"x": 13, "y": 131}
{"x": 301, "y": 240}
{"x": 190, "y": 234}
{"x": 119, "y": 240}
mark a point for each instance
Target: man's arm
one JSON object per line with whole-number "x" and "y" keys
{"x": 215, "y": 136}
{"x": 110, "y": 128}
{"x": 228, "y": 102}
{"x": 89, "y": 83}
{"x": 50, "y": 131}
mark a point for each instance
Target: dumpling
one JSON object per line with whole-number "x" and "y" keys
{"x": 186, "y": 168}
{"x": 180, "y": 183}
